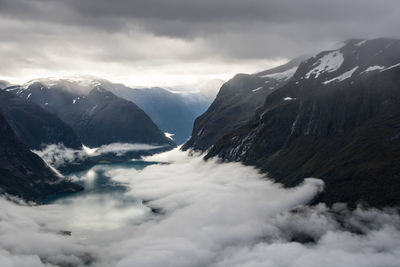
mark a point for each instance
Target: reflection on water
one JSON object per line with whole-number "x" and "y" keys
{"x": 103, "y": 205}
{"x": 97, "y": 181}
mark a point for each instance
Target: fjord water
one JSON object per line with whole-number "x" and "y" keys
{"x": 96, "y": 181}
{"x": 104, "y": 204}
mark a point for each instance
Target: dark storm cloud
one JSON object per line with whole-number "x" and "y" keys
{"x": 212, "y": 10}
{"x": 206, "y": 11}
{"x": 175, "y": 31}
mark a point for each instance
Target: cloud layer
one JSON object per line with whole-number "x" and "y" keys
{"x": 57, "y": 155}
{"x": 204, "y": 214}
{"x": 171, "y": 42}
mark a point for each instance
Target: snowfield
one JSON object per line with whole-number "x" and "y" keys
{"x": 342, "y": 77}
{"x": 285, "y": 75}
{"x": 328, "y": 63}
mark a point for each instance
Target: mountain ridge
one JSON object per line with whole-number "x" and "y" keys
{"x": 321, "y": 124}
{"x": 172, "y": 111}
{"x": 96, "y": 114}
{"x": 236, "y": 102}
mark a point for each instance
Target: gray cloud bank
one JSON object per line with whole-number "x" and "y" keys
{"x": 174, "y": 38}
{"x": 210, "y": 214}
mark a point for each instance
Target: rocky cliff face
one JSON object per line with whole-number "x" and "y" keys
{"x": 236, "y": 103}
{"x": 336, "y": 119}
{"x": 96, "y": 114}
{"x": 33, "y": 125}
{"x": 23, "y": 173}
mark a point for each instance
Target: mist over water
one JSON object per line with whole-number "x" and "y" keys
{"x": 183, "y": 211}
{"x": 57, "y": 155}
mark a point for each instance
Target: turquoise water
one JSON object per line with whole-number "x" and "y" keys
{"x": 97, "y": 182}
{"x": 105, "y": 206}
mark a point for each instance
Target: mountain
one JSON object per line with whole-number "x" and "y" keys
{"x": 96, "y": 114}
{"x": 338, "y": 119}
{"x": 23, "y": 173}
{"x": 33, "y": 125}
{"x": 236, "y": 103}
{"x": 173, "y": 112}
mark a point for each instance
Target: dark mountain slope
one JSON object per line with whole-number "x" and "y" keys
{"x": 23, "y": 173}
{"x": 336, "y": 119}
{"x": 103, "y": 118}
{"x": 33, "y": 125}
{"x": 236, "y": 103}
{"x": 97, "y": 115}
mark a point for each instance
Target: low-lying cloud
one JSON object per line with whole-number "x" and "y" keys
{"x": 57, "y": 155}
{"x": 204, "y": 214}
{"x": 120, "y": 148}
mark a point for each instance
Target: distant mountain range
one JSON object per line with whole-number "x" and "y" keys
{"x": 96, "y": 114}
{"x": 335, "y": 117}
{"x": 173, "y": 112}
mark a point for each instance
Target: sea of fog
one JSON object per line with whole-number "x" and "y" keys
{"x": 175, "y": 209}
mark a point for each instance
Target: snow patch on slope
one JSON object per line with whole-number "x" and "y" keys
{"x": 361, "y": 43}
{"x": 288, "y": 98}
{"x": 285, "y": 75}
{"x": 84, "y": 81}
{"x": 342, "y": 77}
{"x": 257, "y": 89}
{"x": 391, "y": 67}
{"x": 328, "y": 63}
{"x": 169, "y": 135}
{"x": 373, "y": 68}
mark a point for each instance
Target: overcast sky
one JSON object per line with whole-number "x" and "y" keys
{"x": 174, "y": 42}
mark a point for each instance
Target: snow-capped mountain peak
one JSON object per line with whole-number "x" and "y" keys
{"x": 350, "y": 61}
{"x": 81, "y": 84}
